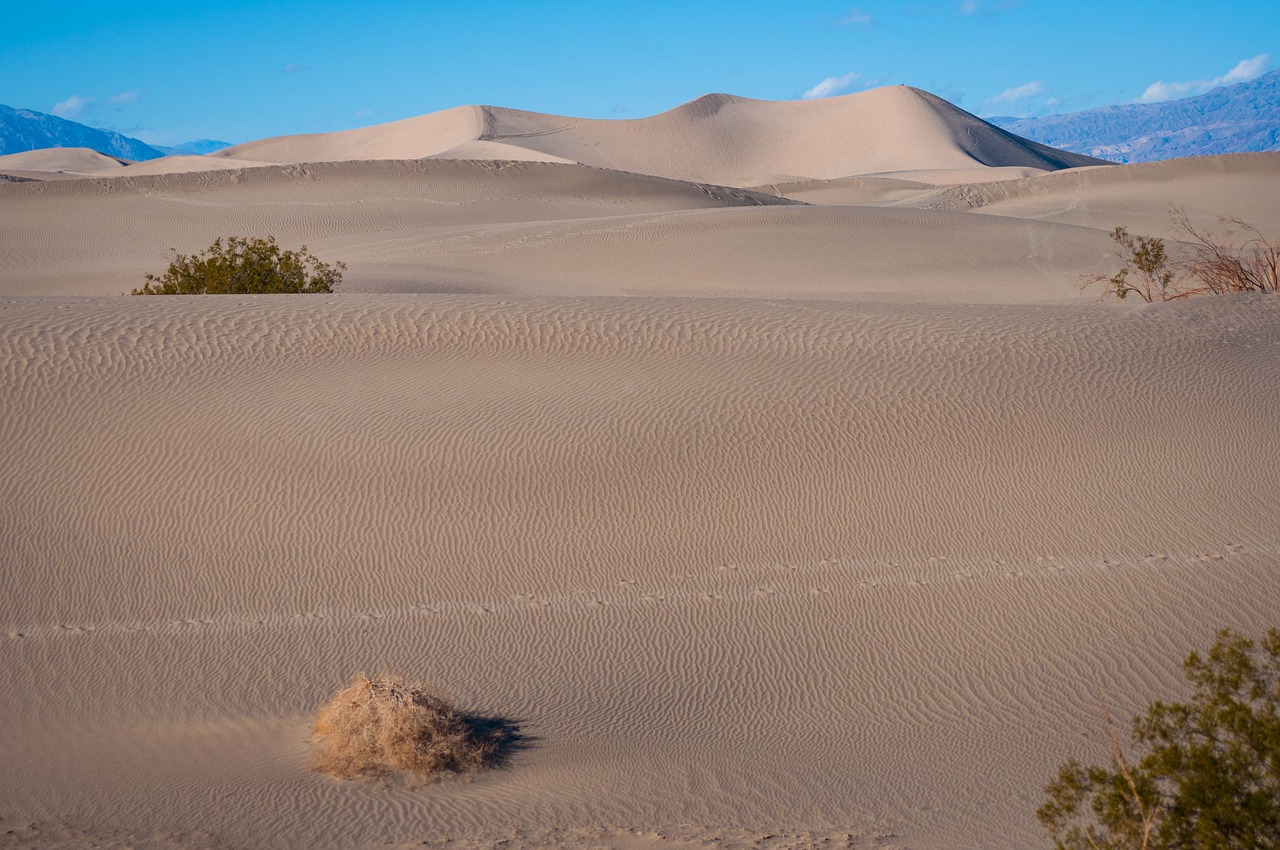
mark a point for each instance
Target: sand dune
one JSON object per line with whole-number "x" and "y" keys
{"x": 726, "y": 562}
{"x": 554, "y": 229}
{"x": 50, "y": 161}
{"x": 103, "y": 236}
{"x": 1138, "y": 196}
{"x": 806, "y": 516}
{"x": 717, "y": 138}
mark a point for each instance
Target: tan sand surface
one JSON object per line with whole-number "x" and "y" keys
{"x": 718, "y": 138}
{"x": 1137, "y": 196}
{"x": 53, "y": 162}
{"x": 770, "y": 525}
{"x": 725, "y": 562}
{"x": 540, "y": 228}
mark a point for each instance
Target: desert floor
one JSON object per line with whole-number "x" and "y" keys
{"x": 770, "y": 524}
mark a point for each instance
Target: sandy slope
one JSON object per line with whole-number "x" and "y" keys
{"x": 717, "y": 138}
{"x": 103, "y": 236}
{"x": 778, "y": 567}
{"x": 772, "y": 525}
{"x": 1137, "y": 196}
{"x": 52, "y": 162}
{"x": 541, "y": 228}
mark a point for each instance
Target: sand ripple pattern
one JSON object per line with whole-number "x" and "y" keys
{"x": 815, "y": 570}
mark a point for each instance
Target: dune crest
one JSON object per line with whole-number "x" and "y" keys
{"x": 716, "y": 138}
{"x": 77, "y": 161}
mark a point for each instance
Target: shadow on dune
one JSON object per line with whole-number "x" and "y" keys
{"x": 505, "y": 735}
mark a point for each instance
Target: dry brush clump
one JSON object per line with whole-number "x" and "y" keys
{"x": 378, "y": 726}
{"x": 1239, "y": 259}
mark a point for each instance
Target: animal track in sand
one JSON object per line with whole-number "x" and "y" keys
{"x": 728, "y": 583}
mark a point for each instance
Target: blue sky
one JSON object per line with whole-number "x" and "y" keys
{"x": 168, "y": 72}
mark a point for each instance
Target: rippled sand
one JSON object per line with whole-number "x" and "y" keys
{"x": 769, "y": 525}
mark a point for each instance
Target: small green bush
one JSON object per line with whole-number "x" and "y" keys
{"x": 1210, "y": 779}
{"x": 244, "y": 265}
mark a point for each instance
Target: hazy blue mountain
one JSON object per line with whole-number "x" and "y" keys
{"x": 1229, "y": 119}
{"x": 199, "y": 147}
{"x": 28, "y": 130}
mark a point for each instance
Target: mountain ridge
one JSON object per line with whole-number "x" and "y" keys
{"x": 23, "y": 130}
{"x": 1240, "y": 118}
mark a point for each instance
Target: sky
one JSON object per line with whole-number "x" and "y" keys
{"x": 169, "y": 72}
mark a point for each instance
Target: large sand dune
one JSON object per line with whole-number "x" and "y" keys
{"x": 770, "y": 524}
{"x": 717, "y": 138}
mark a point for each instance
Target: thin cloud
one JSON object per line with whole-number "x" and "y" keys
{"x": 291, "y": 68}
{"x": 1246, "y": 69}
{"x": 856, "y": 17}
{"x": 125, "y": 97}
{"x": 72, "y": 106}
{"x": 832, "y": 85}
{"x": 1017, "y": 93}
{"x": 976, "y": 7}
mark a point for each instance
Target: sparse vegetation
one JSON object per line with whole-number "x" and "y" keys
{"x": 244, "y": 265}
{"x": 1210, "y": 779}
{"x": 377, "y": 726}
{"x": 1145, "y": 271}
{"x": 1240, "y": 259}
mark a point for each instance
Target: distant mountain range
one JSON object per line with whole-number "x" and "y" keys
{"x": 27, "y": 130}
{"x": 199, "y": 147}
{"x": 1240, "y": 118}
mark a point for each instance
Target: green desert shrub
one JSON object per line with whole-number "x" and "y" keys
{"x": 1210, "y": 776}
{"x": 244, "y": 265}
{"x": 379, "y": 726}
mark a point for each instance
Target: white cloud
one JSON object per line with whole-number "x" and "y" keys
{"x": 71, "y": 107}
{"x": 1245, "y": 69}
{"x": 975, "y": 7}
{"x": 1021, "y": 92}
{"x": 124, "y": 97}
{"x": 292, "y": 68}
{"x": 832, "y": 85}
{"x": 856, "y": 17}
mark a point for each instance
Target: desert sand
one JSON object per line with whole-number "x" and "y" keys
{"x": 782, "y": 495}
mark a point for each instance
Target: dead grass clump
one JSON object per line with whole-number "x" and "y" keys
{"x": 377, "y": 726}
